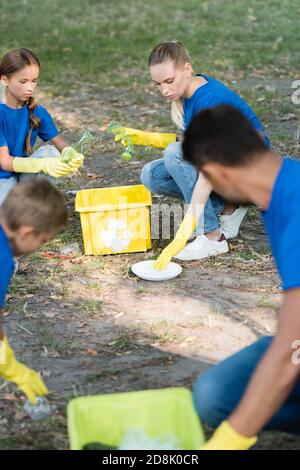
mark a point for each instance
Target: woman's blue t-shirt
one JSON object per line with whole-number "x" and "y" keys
{"x": 214, "y": 93}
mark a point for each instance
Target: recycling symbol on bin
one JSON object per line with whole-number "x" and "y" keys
{"x": 117, "y": 237}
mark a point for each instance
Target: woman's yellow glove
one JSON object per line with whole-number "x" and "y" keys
{"x": 152, "y": 139}
{"x": 227, "y": 438}
{"x": 184, "y": 232}
{"x": 26, "y": 379}
{"x": 50, "y": 166}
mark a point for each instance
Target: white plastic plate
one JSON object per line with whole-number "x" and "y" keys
{"x": 144, "y": 270}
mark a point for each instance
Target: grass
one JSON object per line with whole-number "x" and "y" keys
{"x": 164, "y": 332}
{"x": 107, "y": 43}
{"x": 267, "y": 304}
{"x": 92, "y": 307}
{"x": 141, "y": 290}
{"x": 216, "y": 311}
{"x": 123, "y": 342}
{"x": 45, "y": 334}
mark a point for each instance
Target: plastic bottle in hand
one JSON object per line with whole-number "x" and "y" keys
{"x": 39, "y": 410}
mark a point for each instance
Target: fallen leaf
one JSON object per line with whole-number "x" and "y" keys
{"x": 50, "y": 314}
{"x": 92, "y": 352}
{"x": 92, "y": 176}
{"x": 46, "y": 373}
{"x": 288, "y": 117}
{"x": 119, "y": 315}
{"x": 52, "y": 254}
{"x": 20, "y": 415}
{"x": 190, "y": 339}
{"x": 10, "y": 397}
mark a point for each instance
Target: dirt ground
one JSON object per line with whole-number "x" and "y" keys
{"x": 92, "y": 327}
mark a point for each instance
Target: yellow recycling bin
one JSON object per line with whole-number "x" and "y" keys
{"x": 115, "y": 220}
{"x": 106, "y": 418}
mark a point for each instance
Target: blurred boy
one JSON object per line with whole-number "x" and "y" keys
{"x": 32, "y": 213}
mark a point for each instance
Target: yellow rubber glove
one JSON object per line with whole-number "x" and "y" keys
{"x": 51, "y": 166}
{"x": 152, "y": 139}
{"x": 185, "y": 230}
{"x": 26, "y": 379}
{"x": 74, "y": 159}
{"x": 227, "y": 438}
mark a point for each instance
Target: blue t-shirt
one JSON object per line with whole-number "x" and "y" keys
{"x": 7, "y": 265}
{"x": 282, "y": 222}
{"x": 14, "y": 127}
{"x": 214, "y": 93}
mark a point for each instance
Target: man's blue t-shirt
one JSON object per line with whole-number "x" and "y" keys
{"x": 7, "y": 265}
{"x": 14, "y": 127}
{"x": 282, "y": 222}
{"x": 214, "y": 93}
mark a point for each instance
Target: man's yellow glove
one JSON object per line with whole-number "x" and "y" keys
{"x": 185, "y": 230}
{"x": 227, "y": 438}
{"x": 74, "y": 159}
{"x": 152, "y": 139}
{"x": 50, "y": 166}
{"x": 26, "y": 379}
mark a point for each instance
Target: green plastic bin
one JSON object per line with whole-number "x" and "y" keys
{"x": 106, "y": 418}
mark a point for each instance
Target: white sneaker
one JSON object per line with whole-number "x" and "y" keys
{"x": 201, "y": 248}
{"x": 192, "y": 237}
{"x": 230, "y": 224}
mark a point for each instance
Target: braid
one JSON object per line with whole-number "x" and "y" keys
{"x": 34, "y": 122}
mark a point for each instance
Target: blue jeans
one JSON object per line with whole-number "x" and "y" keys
{"x": 174, "y": 177}
{"x": 219, "y": 390}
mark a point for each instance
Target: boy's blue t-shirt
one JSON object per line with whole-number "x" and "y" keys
{"x": 7, "y": 265}
{"x": 282, "y": 222}
{"x": 214, "y": 93}
{"x": 14, "y": 127}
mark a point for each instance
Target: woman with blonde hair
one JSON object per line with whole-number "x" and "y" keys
{"x": 172, "y": 73}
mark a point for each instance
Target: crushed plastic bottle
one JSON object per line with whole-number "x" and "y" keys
{"x": 80, "y": 146}
{"x": 86, "y": 139}
{"x": 72, "y": 249}
{"x": 115, "y": 128}
{"x": 39, "y": 410}
{"x": 137, "y": 439}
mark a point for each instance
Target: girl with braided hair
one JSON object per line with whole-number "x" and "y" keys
{"x": 22, "y": 120}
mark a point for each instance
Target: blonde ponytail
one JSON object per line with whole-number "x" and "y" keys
{"x": 177, "y": 113}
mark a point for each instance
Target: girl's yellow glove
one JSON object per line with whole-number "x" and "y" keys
{"x": 185, "y": 230}
{"x": 227, "y": 438}
{"x": 26, "y": 379}
{"x": 152, "y": 139}
{"x": 68, "y": 162}
{"x": 50, "y": 166}
{"x": 72, "y": 158}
